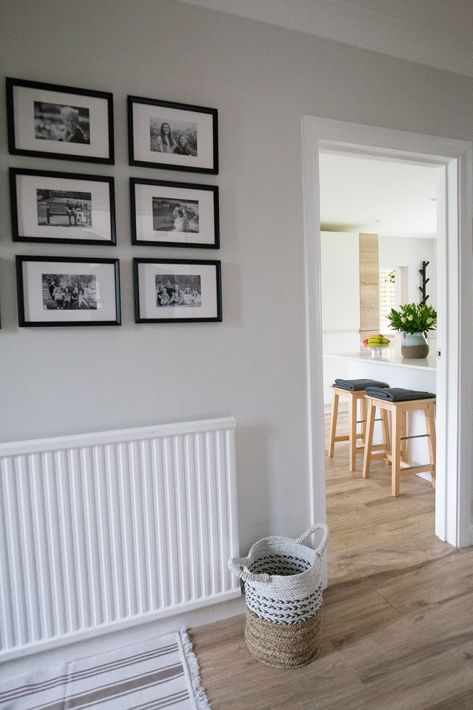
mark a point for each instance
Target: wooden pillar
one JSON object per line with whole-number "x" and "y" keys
{"x": 369, "y": 284}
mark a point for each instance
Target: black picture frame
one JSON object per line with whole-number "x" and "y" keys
{"x": 33, "y": 128}
{"x": 195, "y": 208}
{"x": 36, "y": 283}
{"x": 24, "y": 214}
{"x": 206, "y": 279}
{"x": 199, "y": 124}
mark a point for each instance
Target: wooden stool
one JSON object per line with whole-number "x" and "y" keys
{"x": 354, "y": 397}
{"x": 397, "y": 453}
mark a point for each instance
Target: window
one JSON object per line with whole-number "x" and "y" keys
{"x": 389, "y": 294}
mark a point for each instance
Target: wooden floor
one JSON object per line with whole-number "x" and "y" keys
{"x": 397, "y": 626}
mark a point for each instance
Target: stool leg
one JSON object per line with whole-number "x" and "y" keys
{"x": 403, "y": 434}
{"x": 352, "y": 436}
{"x": 333, "y": 424}
{"x": 363, "y": 418}
{"x": 432, "y": 440}
{"x": 396, "y": 452}
{"x": 386, "y": 436}
{"x": 370, "y": 415}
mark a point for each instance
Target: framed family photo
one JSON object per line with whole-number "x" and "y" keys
{"x": 64, "y": 122}
{"x": 174, "y": 214}
{"x": 63, "y": 208}
{"x": 166, "y": 135}
{"x": 56, "y": 291}
{"x": 177, "y": 290}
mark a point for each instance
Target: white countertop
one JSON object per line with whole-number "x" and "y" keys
{"x": 389, "y": 356}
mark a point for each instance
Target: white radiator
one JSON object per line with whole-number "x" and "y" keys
{"x": 102, "y": 531}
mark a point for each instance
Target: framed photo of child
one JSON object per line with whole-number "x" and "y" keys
{"x": 63, "y": 122}
{"x": 174, "y": 214}
{"x": 166, "y": 135}
{"x": 62, "y": 208}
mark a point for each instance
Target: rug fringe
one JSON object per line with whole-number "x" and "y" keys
{"x": 193, "y": 664}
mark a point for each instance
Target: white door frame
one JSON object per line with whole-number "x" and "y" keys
{"x": 453, "y": 519}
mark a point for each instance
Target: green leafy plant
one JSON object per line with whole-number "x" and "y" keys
{"x": 412, "y": 318}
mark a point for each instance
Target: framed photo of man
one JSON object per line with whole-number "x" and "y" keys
{"x": 174, "y": 214}
{"x": 61, "y": 291}
{"x": 62, "y": 208}
{"x": 171, "y": 136}
{"x": 63, "y": 122}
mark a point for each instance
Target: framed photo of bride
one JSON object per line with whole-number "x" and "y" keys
{"x": 174, "y": 214}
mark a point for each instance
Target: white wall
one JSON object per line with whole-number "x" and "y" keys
{"x": 262, "y": 79}
{"x": 410, "y": 253}
{"x": 340, "y": 272}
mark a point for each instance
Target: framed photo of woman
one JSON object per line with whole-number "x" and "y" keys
{"x": 170, "y": 136}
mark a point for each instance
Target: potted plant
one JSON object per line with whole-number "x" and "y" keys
{"x": 414, "y": 322}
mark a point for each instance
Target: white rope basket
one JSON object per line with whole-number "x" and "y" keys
{"x": 283, "y": 577}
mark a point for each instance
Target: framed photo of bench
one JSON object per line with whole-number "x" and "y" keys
{"x": 170, "y": 136}
{"x": 61, "y": 291}
{"x": 62, "y": 208}
{"x": 63, "y": 122}
{"x": 174, "y": 214}
{"x": 177, "y": 290}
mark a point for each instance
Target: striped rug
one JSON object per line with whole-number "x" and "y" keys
{"x": 161, "y": 673}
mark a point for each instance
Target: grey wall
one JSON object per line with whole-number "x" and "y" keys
{"x": 262, "y": 79}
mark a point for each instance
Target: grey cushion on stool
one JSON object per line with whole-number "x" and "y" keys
{"x": 358, "y": 385}
{"x": 397, "y": 394}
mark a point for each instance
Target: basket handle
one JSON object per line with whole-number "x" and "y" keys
{"x": 239, "y": 566}
{"x": 310, "y": 531}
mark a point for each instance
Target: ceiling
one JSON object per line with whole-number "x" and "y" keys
{"x": 393, "y": 199}
{"x": 438, "y": 33}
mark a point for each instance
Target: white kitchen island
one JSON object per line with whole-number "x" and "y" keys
{"x": 387, "y": 366}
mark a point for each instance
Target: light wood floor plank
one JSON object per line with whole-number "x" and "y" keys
{"x": 397, "y": 627}
{"x": 430, "y": 584}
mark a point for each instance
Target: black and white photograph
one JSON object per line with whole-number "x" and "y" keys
{"x": 57, "y": 291}
{"x": 174, "y": 136}
{"x": 177, "y": 290}
{"x": 174, "y": 214}
{"x": 178, "y": 137}
{"x": 171, "y": 215}
{"x": 57, "y": 122}
{"x": 69, "y": 292}
{"x": 57, "y": 208}
{"x": 63, "y": 122}
{"x": 62, "y": 207}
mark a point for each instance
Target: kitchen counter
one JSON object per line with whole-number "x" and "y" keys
{"x": 388, "y": 356}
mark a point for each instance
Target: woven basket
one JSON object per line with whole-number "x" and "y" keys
{"x": 283, "y": 589}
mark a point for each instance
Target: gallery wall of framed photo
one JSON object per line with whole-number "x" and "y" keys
{"x": 52, "y": 121}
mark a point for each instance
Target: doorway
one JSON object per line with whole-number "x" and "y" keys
{"x": 455, "y": 342}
